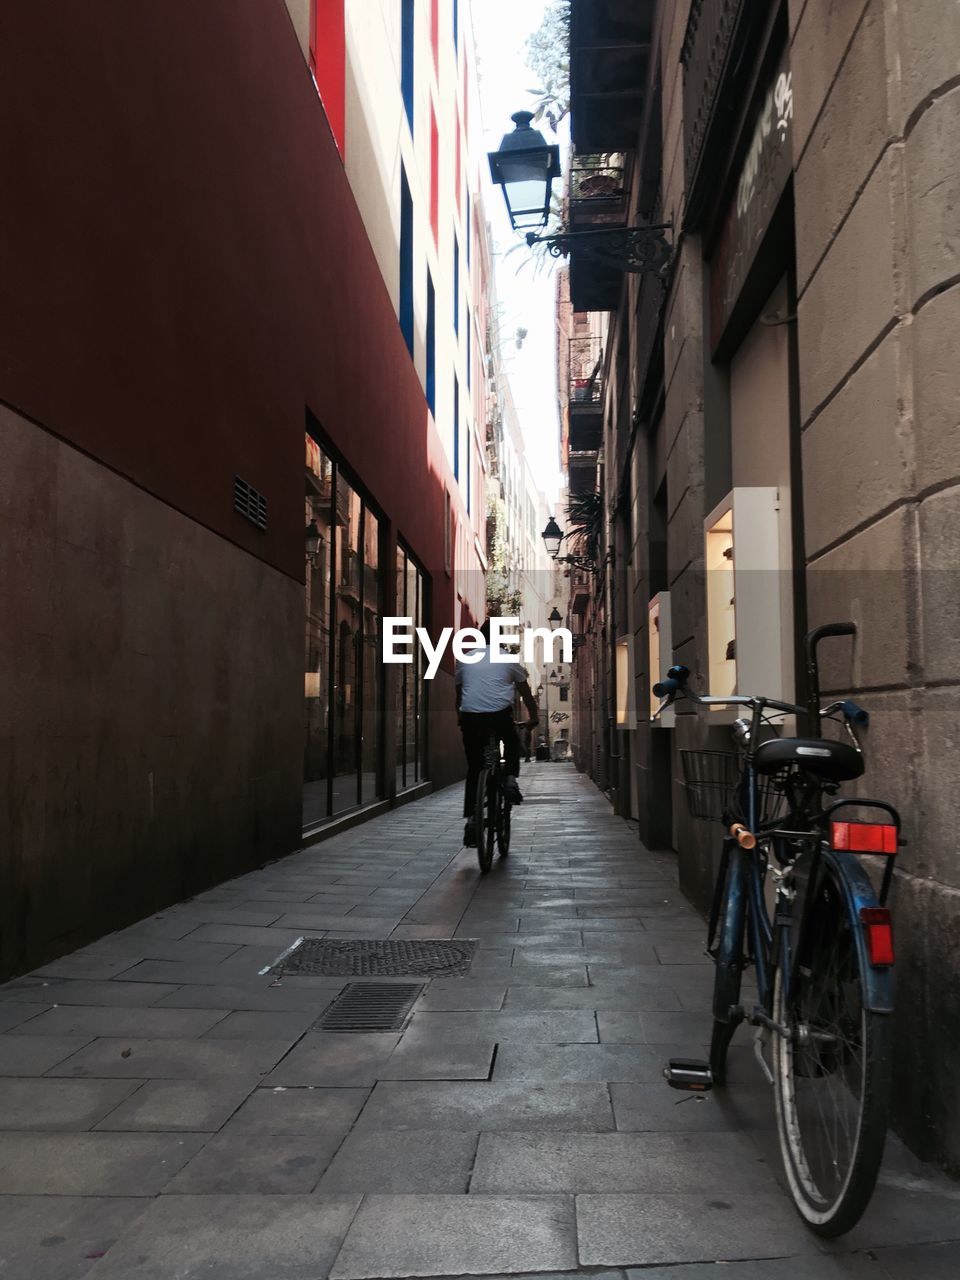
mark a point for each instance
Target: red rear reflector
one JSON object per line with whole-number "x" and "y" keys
{"x": 864, "y": 837}
{"x": 879, "y": 928}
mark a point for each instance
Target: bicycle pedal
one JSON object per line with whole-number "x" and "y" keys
{"x": 691, "y": 1074}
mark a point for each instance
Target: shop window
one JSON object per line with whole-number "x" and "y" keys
{"x": 343, "y": 672}
{"x": 411, "y": 692}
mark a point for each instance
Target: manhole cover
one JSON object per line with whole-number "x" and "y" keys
{"x": 370, "y": 1006}
{"x": 365, "y": 957}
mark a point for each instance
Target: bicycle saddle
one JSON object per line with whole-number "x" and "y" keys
{"x": 834, "y": 761}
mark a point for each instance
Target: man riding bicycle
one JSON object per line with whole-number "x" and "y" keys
{"x": 486, "y": 691}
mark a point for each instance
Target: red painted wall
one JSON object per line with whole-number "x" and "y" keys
{"x": 184, "y": 269}
{"x": 328, "y": 60}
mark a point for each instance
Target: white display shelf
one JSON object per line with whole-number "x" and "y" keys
{"x": 743, "y": 584}
{"x": 660, "y": 649}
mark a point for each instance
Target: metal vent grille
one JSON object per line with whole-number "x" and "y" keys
{"x": 370, "y": 1006}
{"x": 251, "y": 504}
{"x": 365, "y": 957}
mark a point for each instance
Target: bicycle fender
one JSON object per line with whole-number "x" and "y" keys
{"x": 858, "y": 892}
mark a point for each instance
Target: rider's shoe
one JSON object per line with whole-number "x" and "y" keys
{"x": 511, "y": 789}
{"x": 470, "y": 834}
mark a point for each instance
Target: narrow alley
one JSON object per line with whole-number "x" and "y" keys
{"x": 169, "y": 1110}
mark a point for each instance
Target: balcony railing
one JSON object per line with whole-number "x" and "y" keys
{"x": 585, "y": 365}
{"x": 597, "y": 190}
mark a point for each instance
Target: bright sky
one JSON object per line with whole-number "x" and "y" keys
{"x": 526, "y": 297}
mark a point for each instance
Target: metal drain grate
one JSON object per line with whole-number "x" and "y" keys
{"x": 365, "y": 957}
{"x": 370, "y": 1006}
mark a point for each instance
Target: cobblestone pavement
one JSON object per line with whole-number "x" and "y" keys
{"x": 168, "y": 1113}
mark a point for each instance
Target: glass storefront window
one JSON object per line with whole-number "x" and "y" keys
{"x": 343, "y": 674}
{"x": 410, "y": 691}
{"x": 318, "y": 646}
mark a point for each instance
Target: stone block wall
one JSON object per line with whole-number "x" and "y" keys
{"x": 877, "y": 199}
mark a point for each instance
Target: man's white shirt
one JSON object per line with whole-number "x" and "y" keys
{"x": 488, "y": 686}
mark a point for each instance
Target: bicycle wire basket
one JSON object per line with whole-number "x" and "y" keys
{"x": 712, "y": 782}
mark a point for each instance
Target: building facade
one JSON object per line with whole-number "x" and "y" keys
{"x": 779, "y": 411}
{"x": 236, "y": 407}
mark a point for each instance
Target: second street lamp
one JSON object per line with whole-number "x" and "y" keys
{"x": 552, "y": 536}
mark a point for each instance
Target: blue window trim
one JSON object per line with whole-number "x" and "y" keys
{"x": 456, "y": 25}
{"x": 406, "y": 261}
{"x": 469, "y": 473}
{"x": 456, "y": 427}
{"x": 431, "y": 381}
{"x": 456, "y": 285}
{"x": 407, "y": 58}
{"x": 468, "y": 344}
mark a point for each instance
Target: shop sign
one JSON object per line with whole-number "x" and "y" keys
{"x": 765, "y": 171}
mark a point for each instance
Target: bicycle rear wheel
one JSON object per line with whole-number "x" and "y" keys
{"x": 832, "y": 1076}
{"x": 483, "y": 819}
{"x": 728, "y": 958}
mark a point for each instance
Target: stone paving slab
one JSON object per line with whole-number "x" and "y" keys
{"x": 255, "y": 1164}
{"x": 581, "y": 1063}
{"x": 651, "y": 1107}
{"x": 329, "y": 1059}
{"x": 142, "y": 1023}
{"x": 646, "y": 1230}
{"x": 60, "y": 1105}
{"x": 462, "y": 995}
{"x": 279, "y": 1111}
{"x": 17, "y": 1013}
{"x": 548, "y": 1163}
{"x": 50, "y": 992}
{"x": 628, "y": 996}
{"x": 428, "y": 1235}
{"x": 809, "y": 1267}
{"x": 232, "y": 1238}
{"x": 473, "y": 1106}
{"x": 172, "y": 1059}
{"x": 93, "y": 1164}
{"x": 530, "y": 1028}
{"x": 60, "y": 1237}
{"x": 26, "y": 1055}
{"x": 267, "y": 997}
{"x": 394, "y": 1162}
{"x": 651, "y": 1027}
{"x": 444, "y": 1061}
{"x": 178, "y": 1106}
{"x": 250, "y": 1025}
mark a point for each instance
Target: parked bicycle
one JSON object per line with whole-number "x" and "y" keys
{"x": 822, "y": 952}
{"x": 492, "y": 812}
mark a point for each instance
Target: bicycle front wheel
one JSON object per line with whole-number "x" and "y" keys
{"x": 832, "y": 1074}
{"x": 729, "y": 959}
{"x": 483, "y": 819}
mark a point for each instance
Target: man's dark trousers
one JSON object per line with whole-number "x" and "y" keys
{"x": 476, "y": 727}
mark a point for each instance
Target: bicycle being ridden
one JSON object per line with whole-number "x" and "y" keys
{"x": 822, "y": 953}
{"x": 486, "y": 694}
